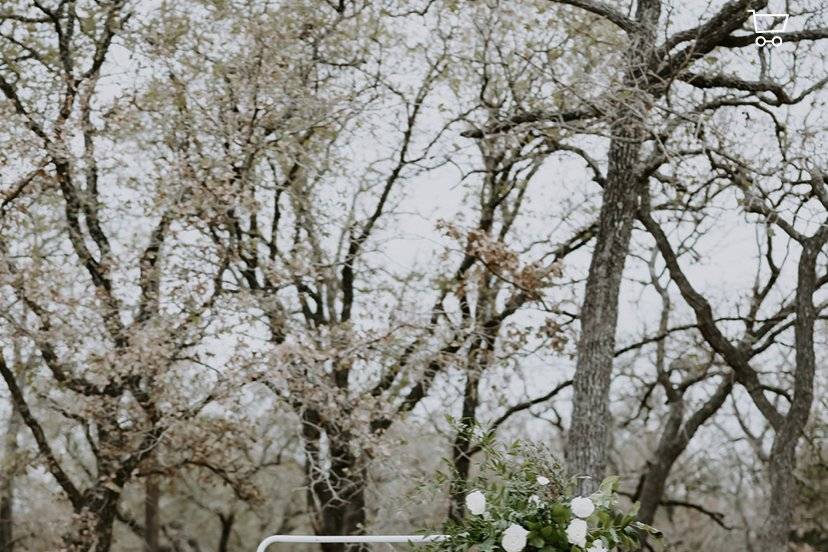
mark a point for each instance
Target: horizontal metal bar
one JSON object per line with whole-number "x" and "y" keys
{"x": 310, "y": 539}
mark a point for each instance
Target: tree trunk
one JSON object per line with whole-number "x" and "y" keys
{"x": 658, "y": 469}
{"x": 677, "y": 432}
{"x": 460, "y": 450}
{"x": 345, "y": 514}
{"x": 336, "y": 494}
{"x": 7, "y": 483}
{"x": 777, "y": 527}
{"x": 587, "y": 443}
{"x": 782, "y": 464}
{"x": 92, "y": 529}
{"x": 105, "y": 521}
{"x": 677, "y": 435}
{"x": 226, "y": 521}
{"x": 152, "y": 496}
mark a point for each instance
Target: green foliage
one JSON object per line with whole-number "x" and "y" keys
{"x": 525, "y": 486}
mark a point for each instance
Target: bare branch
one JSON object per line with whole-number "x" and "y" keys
{"x": 39, "y": 435}
{"x": 605, "y": 11}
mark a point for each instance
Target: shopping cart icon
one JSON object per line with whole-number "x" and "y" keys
{"x": 769, "y": 23}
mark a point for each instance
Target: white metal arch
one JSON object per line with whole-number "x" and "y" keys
{"x": 310, "y": 539}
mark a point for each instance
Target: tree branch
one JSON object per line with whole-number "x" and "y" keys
{"x": 520, "y": 407}
{"x": 735, "y": 357}
{"x": 43, "y": 446}
{"x": 604, "y": 10}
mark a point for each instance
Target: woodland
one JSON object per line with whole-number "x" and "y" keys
{"x": 290, "y": 266}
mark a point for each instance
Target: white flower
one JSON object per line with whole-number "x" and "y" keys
{"x": 582, "y": 507}
{"x": 476, "y": 503}
{"x": 597, "y": 546}
{"x": 542, "y": 481}
{"x": 535, "y": 501}
{"x": 576, "y": 532}
{"x": 514, "y": 538}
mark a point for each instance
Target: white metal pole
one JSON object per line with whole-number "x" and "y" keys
{"x": 309, "y": 539}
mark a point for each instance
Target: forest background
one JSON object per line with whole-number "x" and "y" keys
{"x": 264, "y": 263}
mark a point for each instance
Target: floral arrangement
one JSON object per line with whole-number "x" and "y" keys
{"x": 519, "y": 501}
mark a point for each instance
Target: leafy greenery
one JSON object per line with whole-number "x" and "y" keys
{"x": 524, "y": 486}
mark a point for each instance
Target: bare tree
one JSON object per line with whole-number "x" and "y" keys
{"x": 650, "y": 67}
{"x": 207, "y": 212}
{"x": 787, "y": 426}
{"x": 67, "y": 279}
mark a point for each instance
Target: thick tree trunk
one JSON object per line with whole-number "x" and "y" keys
{"x": 336, "y": 494}
{"x": 344, "y": 513}
{"x": 782, "y": 463}
{"x": 587, "y": 444}
{"x": 779, "y": 522}
{"x": 586, "y": 449}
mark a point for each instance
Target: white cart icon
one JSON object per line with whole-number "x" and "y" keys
{"x": 765, "y": 23}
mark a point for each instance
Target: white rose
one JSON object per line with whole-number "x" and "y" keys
{"x": 535, "y": 501}
{"x": 543, "y": 481}
{"x": 582, "y": 507}
{"x": 576, "y": 532}
{"x": 514, "y": 538}
{"x": 597, "y": 546}
{"x": 476, "y": 503}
